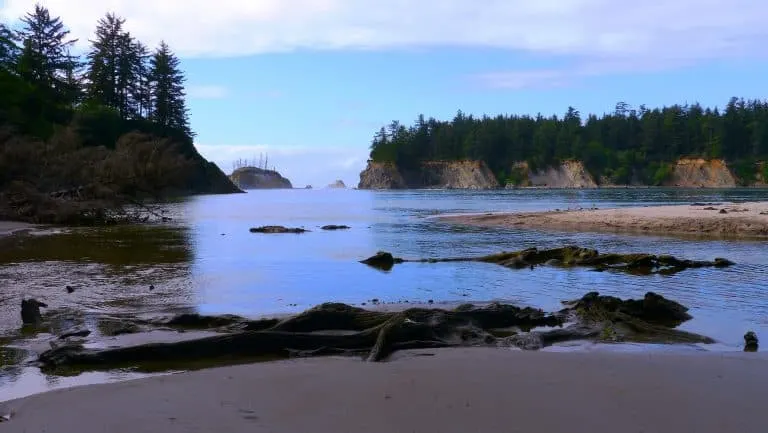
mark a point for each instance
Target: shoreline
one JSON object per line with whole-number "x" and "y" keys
{"x": 9, "y": 228}
{"x": 720, "y": 220}
{"x": 447, "y": 390}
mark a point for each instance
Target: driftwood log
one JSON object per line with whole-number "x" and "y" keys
{"x": 334, "y": 328}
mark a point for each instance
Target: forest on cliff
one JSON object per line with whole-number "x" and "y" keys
{"x": 82, "y": 135}
{"x": 639, "y": 145}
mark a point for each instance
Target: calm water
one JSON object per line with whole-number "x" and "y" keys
{"x": 209, "y": 262}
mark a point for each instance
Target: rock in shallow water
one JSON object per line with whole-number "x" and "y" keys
{"x": 30, "y": 311}
{"x": 277, "y": 229}
{"x": 750, "y": 342}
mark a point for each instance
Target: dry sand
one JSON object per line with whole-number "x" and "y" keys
{"x": 739, "y": 220}
{"x": 455, "y": 390}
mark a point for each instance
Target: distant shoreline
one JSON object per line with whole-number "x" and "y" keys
{"x": 747, "y": 220}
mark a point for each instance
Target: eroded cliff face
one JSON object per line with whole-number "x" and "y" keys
{"x": 257, "y": 178}
{"x": 701, "y": 173}
{"x": 431, "y": 174}
{"x": 569, "y": 174}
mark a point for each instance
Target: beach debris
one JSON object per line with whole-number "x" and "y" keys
{"x": 723, "y": 211}
{"x": 750, "y": 342}
{"x": 30, "y": 311}
{"x": 341, "y": 329}
{"x": 335, "y": 227}
{"x": 70, "y": 289}
{"x": 277, "y": 229}
{"x": 382, "y": 260}
{"x": 710, "y": 208}
{"x": 569, "y": 256}
{"x": 6, "y": 417}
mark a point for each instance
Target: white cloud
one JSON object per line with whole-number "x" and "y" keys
{"x": 653, "y": 29}
{"x": 302, "y": 165}
{"x": 207, "y": 92}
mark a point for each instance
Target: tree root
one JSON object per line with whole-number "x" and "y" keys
{"x": 339, "y": 329}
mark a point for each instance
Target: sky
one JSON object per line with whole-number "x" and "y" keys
{"x": 309, "y": 82}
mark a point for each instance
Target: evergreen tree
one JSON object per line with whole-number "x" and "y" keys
{"x": 9, "y": 51}
{"x": 104, "y": 64}
{"x": 169, "y": 110}
{"x": 45, "y": 55}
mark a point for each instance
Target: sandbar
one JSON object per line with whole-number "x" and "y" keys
{"x": 448, "y": 390}
{"x": 749, "y": 220}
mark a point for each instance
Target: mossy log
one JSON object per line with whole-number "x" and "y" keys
{"x": 569, "y": 256}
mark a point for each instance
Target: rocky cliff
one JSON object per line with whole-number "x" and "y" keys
{"x": 701, "y": 173}
{"x": 569, "y": 174}
{"x": 257, "y": 178}
{"x": 430, "y": 174}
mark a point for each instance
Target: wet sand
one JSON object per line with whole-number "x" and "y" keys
{"x": 451, "y": 390}
{"x": 10, "y": 227}
{"x": 749, "y": 220}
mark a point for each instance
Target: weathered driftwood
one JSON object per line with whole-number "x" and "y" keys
{"x": 334, "y": 328}
{"x": 569, "y": 256}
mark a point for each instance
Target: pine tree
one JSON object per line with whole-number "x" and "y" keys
{"x": 140, "y": 88}
{"x": 45, "y": 55}
{"x": 104, "y": 62}
{"x": 9, "y": 51}
{"x": 169, "y": 110}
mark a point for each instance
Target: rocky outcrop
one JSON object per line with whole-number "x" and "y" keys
{"x": 569, "y": 174}
{"x": 257, "y": 178}
{"x": 338, "y": 184}
{"x": 701, "y": 173}
{"x": 429, "y": 174}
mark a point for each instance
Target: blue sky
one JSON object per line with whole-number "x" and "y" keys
{"x": 310, "y": 81}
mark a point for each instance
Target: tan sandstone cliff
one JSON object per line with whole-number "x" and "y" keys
{"x": 569, "y": 174}
{"x": 701, "y": 173}
{"x": 430, "y": 174}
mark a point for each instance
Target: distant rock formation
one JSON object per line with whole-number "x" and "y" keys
{"x": 429, "y": 174}
{"x": 337, "y": 184}
{"x": 257, "y": 178}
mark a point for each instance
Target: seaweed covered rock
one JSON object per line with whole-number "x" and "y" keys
{"x": 653, "y": 309}
{"x": 570, "y": 256}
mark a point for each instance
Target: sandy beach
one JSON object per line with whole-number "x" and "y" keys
{"x": 707, "y": 220}
{"x": 451, "y": 390}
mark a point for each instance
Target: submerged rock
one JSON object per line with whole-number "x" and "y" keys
{"x": 76, "y": 331}
{"x": 334, "y": 227}
{"x": 30, "y": 311}
{"x": 277, "y": 229}
{"x": 750, "y": 342}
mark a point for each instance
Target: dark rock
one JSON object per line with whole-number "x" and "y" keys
{"x": 750, "y": 342}
{"x": 77, "y": 331}
{"x": 277, "y": 229}
{"x": 30, "y": 311}
{"x": 151, "y": 287}
{"x": 723, "y": 211}
{"x": 335, "y": 227}
{"x": 382, "y": 260}
{"x": 70, "y": 289}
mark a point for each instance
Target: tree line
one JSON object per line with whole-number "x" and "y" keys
{"x": 117, "y": 87}
{"x": 627, "y": 145}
